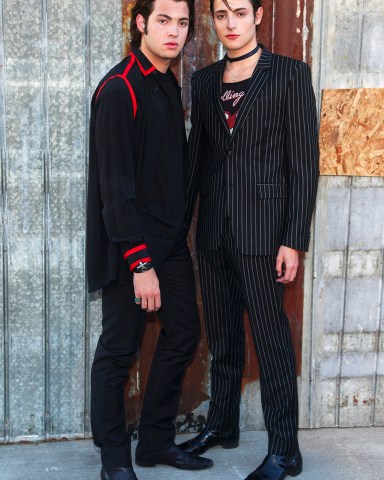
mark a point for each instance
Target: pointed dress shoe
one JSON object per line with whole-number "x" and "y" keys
{"x": 118, "y": 474}
{"x": 276, "y": 467}
{"x": 173, "y": 456}
{"x": 210, "y": 438}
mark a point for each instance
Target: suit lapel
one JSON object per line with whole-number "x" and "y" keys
{"x": 255, "y": 85}
{"x": 216, "y": 92}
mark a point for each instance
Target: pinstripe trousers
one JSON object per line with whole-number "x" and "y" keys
{"x": 231, "y": 282}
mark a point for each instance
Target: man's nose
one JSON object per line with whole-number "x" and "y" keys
{"x": 231, "y": 22}
{"x": 173, "y": 30}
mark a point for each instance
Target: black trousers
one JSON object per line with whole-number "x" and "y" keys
{"x": 123, "y": 325}
{"x": 230, "y": 282}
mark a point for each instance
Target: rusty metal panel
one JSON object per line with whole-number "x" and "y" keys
{"x": 202, "y": 50}
{"x": 281, "y": 20}
{"x": 287, "y": 27}
{"x": 351, "y": 132}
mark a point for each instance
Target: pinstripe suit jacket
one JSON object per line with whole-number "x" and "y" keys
{"x": 263, "y": 176}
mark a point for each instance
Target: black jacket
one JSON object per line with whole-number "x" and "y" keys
{"x": 262, "y": 177}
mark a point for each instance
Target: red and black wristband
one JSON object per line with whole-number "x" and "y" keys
{"x": 138, "y": 258}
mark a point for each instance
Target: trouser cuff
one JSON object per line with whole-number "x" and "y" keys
{"x": 152, "y": 439}
{"x": 116, "y": 457}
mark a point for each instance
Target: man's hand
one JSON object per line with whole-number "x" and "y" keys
{"x": 287, "y": 262}
{"x": 146, "y": 286}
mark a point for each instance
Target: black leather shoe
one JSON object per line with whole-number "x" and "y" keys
{"x": 208, "y": 439}
{"x": 118, "y": 474}
{"x": 173, "y": 456}
{"x": 276, "y": 467}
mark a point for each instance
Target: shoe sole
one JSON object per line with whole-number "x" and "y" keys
{"x": 292, "y": 473}
{"x": 145, "y": 464}
{"x": 295, "y": 471}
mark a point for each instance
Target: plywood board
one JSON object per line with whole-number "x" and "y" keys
{"x": 352, "y": 132}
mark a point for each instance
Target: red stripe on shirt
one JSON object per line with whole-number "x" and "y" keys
{"x": 134, "y": 250}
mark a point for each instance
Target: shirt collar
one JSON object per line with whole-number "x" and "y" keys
{"x": 144, "y": 64}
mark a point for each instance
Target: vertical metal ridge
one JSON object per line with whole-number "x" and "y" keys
{"x": 312, "y": 347}
{"x": 273, "y": 25}
{"x": 7, "y": 426}
{"x": 87, "y": 340}
{"x": 305, "y": 31}
{"x": 322, "y": 34}
{"x": 340, "y": 350}
{"x": 317, "y": 88}
{"x": 360, "y": 40}
{"x": 47, "y": 356}
{"x": 4, "y": 253}
{"x": 377, "y": 349}
{"x": 46, "y": 175}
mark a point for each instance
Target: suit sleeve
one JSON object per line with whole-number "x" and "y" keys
{"x": 196, "y": 144}
{"x": 115, "y": 140}
{"x": 303, "y": 158}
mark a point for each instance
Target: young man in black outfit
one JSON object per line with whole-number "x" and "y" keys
{"x": 136, "y": 240}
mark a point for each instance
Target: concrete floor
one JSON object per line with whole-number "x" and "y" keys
{"x": 329, "y": 454}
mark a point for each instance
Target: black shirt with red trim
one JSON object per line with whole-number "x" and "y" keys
{"x": 136, "y": 187}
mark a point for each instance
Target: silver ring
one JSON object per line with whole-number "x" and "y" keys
{"x": 137, "y": 301}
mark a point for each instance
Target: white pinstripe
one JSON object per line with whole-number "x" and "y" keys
{"x": 231, "y": 282}
{"x": 257, "y": 191}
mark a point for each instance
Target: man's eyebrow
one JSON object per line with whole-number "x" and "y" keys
{"x": 170, "y": 18}
{"x": 235, "y": 10}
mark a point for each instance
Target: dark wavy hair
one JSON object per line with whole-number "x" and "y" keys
{"x": 145, "y": 8}
{"x": 256, "y": 4}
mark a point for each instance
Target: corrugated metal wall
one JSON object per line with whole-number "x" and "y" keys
{"x": 52, "y": 55}
{"x": 346, "y": 357}
{"x": 51, "y": 52}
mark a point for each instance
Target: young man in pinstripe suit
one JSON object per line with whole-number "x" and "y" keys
{"x": 253, "y": 153}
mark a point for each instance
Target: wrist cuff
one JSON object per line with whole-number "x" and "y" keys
{"x": 137, "y": 254}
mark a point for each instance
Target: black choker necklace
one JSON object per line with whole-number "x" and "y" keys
{"x": 243, "y": 57}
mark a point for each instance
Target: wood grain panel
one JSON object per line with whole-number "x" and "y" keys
{"x": 352, "y": 132}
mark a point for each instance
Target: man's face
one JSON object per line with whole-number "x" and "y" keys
{"x": 166, "y": 31}
{"x": 236, "y": 28}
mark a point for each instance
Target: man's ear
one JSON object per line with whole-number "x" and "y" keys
{"x": 259, "y": 15}
{"x": 140, "y": 23}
